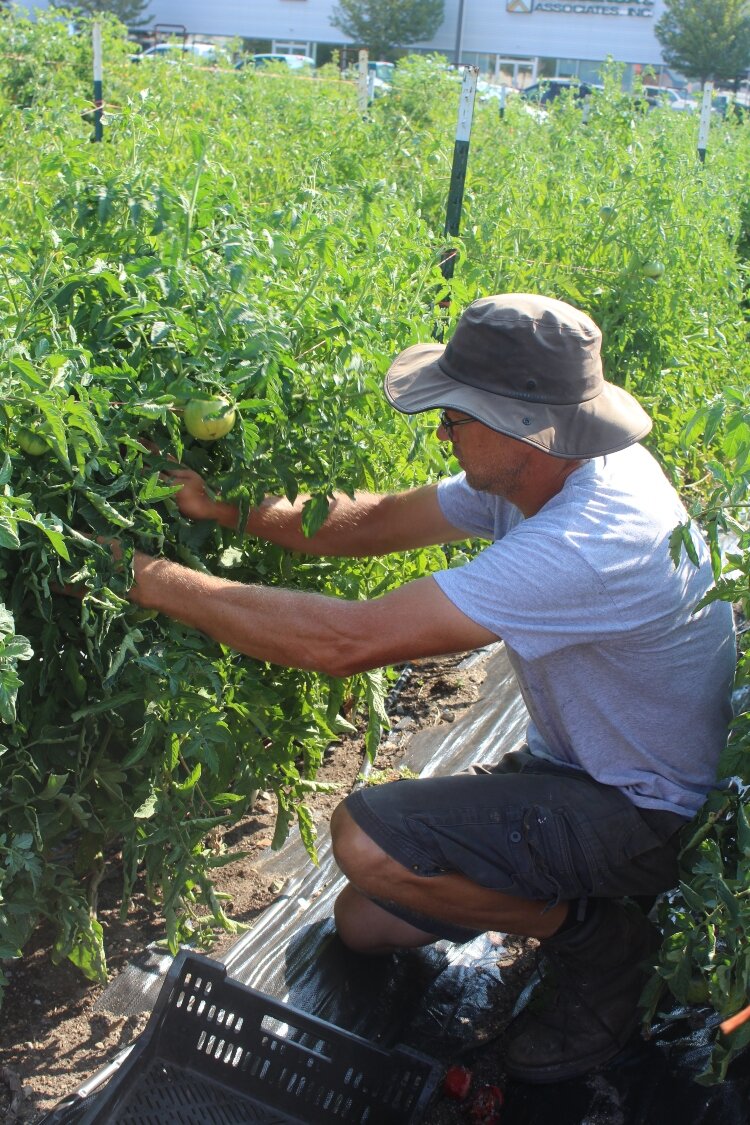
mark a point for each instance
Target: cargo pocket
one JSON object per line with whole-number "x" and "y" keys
{"x": 560, "y": 862}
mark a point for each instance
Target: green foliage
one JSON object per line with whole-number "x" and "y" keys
{"x": 382, "y": 25}
{"x": 40, "y": 54}
{"x": 138, "y": 274}
{"x": 706, "y": 39}
{"x": 252, "y": 236}
{"x": 706, "y": 953}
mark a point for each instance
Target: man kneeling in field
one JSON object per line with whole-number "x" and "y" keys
{"x": 628, "y": 689}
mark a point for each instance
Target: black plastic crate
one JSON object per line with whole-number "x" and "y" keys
{"x": 217, "y": 1051}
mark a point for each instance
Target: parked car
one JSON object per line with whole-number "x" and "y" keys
{"x": 301, "y": 63}
{"x": 547, "y": 89}
{"x": 494, "y": 91}
{"x": 666, "y": 96}
{"x": 377, "y": 85}
{"x": 725, "y": 103}
{"x": 382, "y": 70}
{"x": 176, "y": 52}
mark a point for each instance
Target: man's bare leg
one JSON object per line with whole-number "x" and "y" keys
{"x": 368, "y": 928}
{"x": 372, "y": 873}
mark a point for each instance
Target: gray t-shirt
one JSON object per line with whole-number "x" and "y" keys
{"x": 621, "y": 678}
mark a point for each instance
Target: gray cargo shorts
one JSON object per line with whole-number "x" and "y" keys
{"x": 526, "y": 827}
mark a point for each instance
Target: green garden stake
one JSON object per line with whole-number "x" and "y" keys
{"x": 460, "y": 161}
{"x": 705, "y": 122}
{"x": 458, "y": 179}
{"x": 96, "y": 41}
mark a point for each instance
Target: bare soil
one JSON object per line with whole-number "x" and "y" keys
{"x": 51, "y": 1037}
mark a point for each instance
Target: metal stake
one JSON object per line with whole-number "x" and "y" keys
{"x": 460, "y": 161}
{"x": 96, "y": 42}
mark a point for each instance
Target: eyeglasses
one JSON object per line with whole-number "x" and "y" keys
{"x": 450, "y": 424}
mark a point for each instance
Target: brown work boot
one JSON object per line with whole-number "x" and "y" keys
{"x": 586, "y": 1008}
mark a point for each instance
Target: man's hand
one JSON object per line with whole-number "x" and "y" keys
{"x": 193, "y": 499}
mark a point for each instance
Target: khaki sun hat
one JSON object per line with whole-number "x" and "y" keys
{"x": 527, "y": 366}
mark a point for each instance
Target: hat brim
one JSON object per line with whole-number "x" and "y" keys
{"x": 610, "y": 421}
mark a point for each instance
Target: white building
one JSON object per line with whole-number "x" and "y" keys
{"x": 514, "y": 39}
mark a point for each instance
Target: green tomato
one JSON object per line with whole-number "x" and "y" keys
{"x": 607, "y": 213}
{"x": 653, "y": 269}
{"x": 209, "y": 418}
{"x": 32, "y": 442}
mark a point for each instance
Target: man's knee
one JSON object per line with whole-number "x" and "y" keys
{"x": 364, "y": 862}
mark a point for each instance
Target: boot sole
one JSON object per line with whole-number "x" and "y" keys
{"x": 544, "y": 1075}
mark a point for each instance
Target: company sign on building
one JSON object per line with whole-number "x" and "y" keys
{"x": 638, "y": 8}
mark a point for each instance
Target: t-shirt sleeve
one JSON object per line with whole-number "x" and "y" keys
{"x": 535, "y": 591}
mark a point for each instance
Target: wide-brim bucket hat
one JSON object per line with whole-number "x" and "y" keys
{"x": 529, "y": 367}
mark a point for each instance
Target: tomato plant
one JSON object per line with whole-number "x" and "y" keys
{"x": 223, "y": 248}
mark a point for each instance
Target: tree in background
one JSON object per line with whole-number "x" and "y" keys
{"x": 381, "y": 25}
{"x": 706, "y": 39}
{"x": 130, "y": 12}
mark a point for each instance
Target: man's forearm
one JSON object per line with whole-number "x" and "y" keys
{"x": 298, "y": 629}
{"x": 344, "y": 532}
{"x": 287, "y": 627}
{"x": 360, "y": 526}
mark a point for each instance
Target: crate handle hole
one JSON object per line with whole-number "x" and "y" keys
{"x": 281, "y": 1029}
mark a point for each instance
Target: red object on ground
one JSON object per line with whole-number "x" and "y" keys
{"x": 457, "y": 1082}
{"x": 486, "y": 1105}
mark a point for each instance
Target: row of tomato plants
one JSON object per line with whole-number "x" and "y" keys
{"x": 262, "y": 240}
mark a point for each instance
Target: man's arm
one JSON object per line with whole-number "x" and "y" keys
{"x": 305, "y": 630}
{"x": 366, "y": 525}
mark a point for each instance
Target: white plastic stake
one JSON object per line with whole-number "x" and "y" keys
{"x": 705, "y": 123}
{"x": 362, "y": 83}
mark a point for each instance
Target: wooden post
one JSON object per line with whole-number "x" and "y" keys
{"x": 586, "y": 110}
{"x": 705, "y": 122}
{"x": 362, "y": 82}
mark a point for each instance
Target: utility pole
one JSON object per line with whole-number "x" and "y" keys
{"x": 459, "y": 33}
